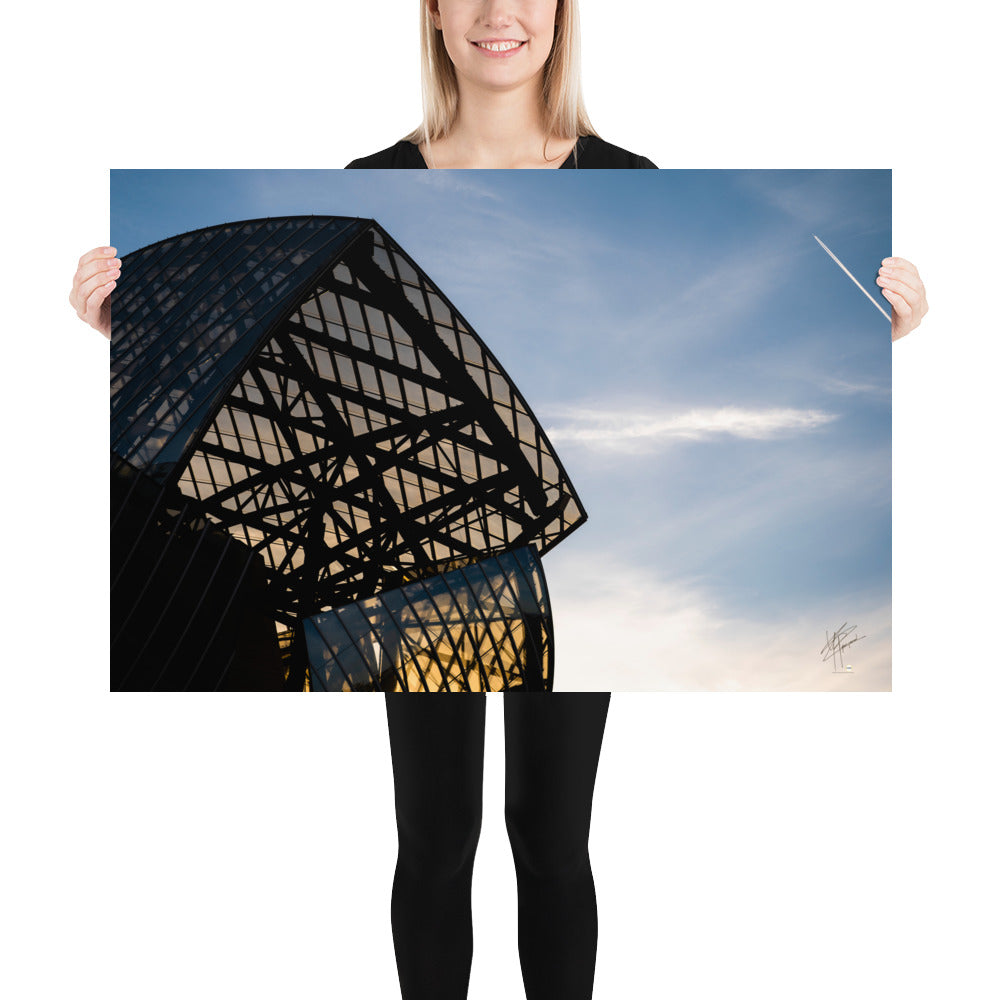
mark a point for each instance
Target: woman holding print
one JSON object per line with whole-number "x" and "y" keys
{"x": 501, "y": 89}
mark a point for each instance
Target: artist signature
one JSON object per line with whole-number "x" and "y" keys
{"x": 836, "y": 644}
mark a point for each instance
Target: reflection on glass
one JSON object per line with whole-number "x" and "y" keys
{"x": 446, "y": 633}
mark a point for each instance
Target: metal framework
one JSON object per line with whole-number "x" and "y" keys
{"x": 296, "y": 397}
{"x": 477, "y": 628}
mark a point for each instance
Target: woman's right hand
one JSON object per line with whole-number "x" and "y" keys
{"x": 95, "y": 277}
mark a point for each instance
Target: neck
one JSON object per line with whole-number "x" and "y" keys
{"x": 498, "y": 129}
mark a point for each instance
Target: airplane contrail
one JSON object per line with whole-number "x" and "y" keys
{"x": 851, "y": 276}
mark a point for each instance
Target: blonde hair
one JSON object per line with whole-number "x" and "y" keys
{"x": 562, "y": 94}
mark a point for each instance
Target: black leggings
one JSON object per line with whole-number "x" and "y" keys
{"x": 553, "y": 744}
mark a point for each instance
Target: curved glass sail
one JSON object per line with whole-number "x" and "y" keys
{"x": 307, "y": 390}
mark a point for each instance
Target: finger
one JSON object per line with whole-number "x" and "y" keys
{"x": 94, "y": 301}
{"x": 915, "y": 298}
{"x": 900, "y": 304}
{"x": 89, "y": 277}
{"x": 905, "y": 279}
{"x": 91, "y": 284}
{"x": 103, "y": 268}
{"x": 901, "y": 287}
{"x": 899, "y": 262}
{"x": 96, "y": 254}
{"x": 902, "y": 269}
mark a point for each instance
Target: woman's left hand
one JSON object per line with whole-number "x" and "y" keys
{"x": 902, "y": 286}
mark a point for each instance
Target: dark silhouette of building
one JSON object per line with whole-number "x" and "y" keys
{"x": 321, "y": 476}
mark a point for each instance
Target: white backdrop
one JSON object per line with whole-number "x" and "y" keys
{"x": 242, "y": 846}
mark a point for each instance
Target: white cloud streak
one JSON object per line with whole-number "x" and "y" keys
{"x": 847, "y": 387}
{"x": 644, "y": 431}
{"x": 454, "y": 182}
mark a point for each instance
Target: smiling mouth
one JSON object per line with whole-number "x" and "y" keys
{"x": 499, "y": 46}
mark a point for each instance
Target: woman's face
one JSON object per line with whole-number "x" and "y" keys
{"x": 497, "y": 44}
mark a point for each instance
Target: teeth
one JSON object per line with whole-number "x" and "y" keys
{"x": 498, "y": 46}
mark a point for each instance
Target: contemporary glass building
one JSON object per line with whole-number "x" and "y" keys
{"x": 321, "y": 476}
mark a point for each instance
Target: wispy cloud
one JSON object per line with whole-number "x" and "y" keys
{"x": 639, "y": 431}
{"x": 810, "y": 198}
{"x": 455, "y": 182}
{"x": 853, "y": 387}
{"x": 706, "y": 300}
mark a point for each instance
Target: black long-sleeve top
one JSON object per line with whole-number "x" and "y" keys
{"x": 589, "y": 153}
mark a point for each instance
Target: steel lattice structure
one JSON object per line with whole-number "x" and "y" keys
{"x": 297, "y": 407}
{"x": 482, "y": 627}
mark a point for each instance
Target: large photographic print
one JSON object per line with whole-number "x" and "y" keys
{"x": 464, "y": 431}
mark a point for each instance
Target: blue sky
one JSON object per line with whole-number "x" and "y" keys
{"x": 718, "y": 390}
